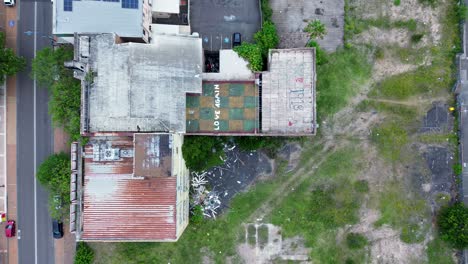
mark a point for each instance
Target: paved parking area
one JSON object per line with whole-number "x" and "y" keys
{"x": 217, "y": 20}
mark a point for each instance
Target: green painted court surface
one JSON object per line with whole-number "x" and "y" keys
{"x": 223, "y": 107}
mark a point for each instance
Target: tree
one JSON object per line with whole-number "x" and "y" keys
{"x": 252, "y": 53}
{"x": 54, "y": 173}
{"x": 267, "y": 37}
{"x": 84, "y": 254}
{"x": 201, "y": 153}
{"x": 10, "y": 64}
{"x": 453, "y": 225}
{"x": 48, "y": 66}
{"x": 316, "y": 29}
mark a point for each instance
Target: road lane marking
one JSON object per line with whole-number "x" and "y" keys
{"x": 35, "y": 147}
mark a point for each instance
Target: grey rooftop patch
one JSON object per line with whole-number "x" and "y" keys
{"x": 139, "y": 87}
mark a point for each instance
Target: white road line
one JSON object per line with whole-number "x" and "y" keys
{"x": 34, "y": 111}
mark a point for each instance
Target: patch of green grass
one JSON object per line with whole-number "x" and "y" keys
{"x": 262, "y": 233}
{"x": 340, "y": 78}
{"x": 251, "y": 235}
{"x": 321, "y": 204}
{"x": 401, "y": 113}
{"x": 438, "y": 251}
{"x": 416, "y": 38}
{"x": 403, "y": 212}
{"x": 437, "y": 138}
{"x": 432, "y": 79}
{"x": 361, "y": 186}
{"x": 442, "y": 199}
{"x": 390, "y": 139}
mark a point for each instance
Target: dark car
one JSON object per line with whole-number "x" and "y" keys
{"x": 57, "y": 229}
{"x": 236, "y": 39}
{"x": 10, "y": 228}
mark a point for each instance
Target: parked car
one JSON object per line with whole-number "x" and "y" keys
{"x": 57, "y": 228}
{"x": 236, "y": 39}
{"x": 9, "y": 2}
{"x": 10, "y": 228}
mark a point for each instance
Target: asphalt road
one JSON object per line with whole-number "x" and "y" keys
{"x": 34, "y": 138}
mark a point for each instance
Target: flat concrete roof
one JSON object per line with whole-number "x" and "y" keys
{"x": 142, "y": 87}
{"x": 288, "y": 93}
{"x": 97, "y": 17}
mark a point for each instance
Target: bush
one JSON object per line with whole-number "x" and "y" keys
{"x": 202, "y": 152}
{"x": 356, "y": 241}
{"x": 267, "y": 12}
{"x": 252, "y": 53}
{"x": 84, "y": 254}
{"x": 457, "y": 169}
{"x": 320, "y": 54}
{"x": 10, "y": 64}
{"x": 453, "y": 225}
{"x": 267, "y": 38}
{"x": 316, "y": 29}
{"x": 415, "y": 38}
{"x": 269, "y": 144}
{"x": 64, "y": 105}
{"x": 196, "y": 215}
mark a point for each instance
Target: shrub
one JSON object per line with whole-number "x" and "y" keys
{"x": 269, "y": 144}
{"x": 453, "y": 225}
{"x": 316, "y": 29}
{"x": 457, "y": 169}
{"x": 356, "y": 241}
{"x": 196, "y": 215}
{"x": 267, "y": 38}
{"x": 396, "y": 2}
{"x": 201, "y": 152}
{"x": 320, "y": 54}
{"x": 415, "y": 38}
{"x": 267, "y": 12}
{"x": 64, "y": 105}
{"x": 10, "y": 64}
{"x": 252, "y": 53}
{"x": 84, "y": 254}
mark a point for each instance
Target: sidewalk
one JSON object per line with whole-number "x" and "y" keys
{"x": 65, "y": 247}
{"x": 9, "y": 247}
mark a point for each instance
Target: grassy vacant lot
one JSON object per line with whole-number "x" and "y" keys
{"x": 330, "y": 190}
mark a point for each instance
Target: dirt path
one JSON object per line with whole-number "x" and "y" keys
{"x": 416, "y": 102}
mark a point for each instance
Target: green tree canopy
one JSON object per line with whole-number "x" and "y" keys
{"x": 54, "y": 174}
{"x": 316, "y": 29}
{"x": 453, "y": 225}
{"x": 201, "y": 153}
{"x": 48, "y": 66}
{"x": 10, "y": 64}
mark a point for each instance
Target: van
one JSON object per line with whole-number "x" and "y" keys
{"x": 9, "y": 2}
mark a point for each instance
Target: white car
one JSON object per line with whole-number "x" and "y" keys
{"x": 9, "y": 2}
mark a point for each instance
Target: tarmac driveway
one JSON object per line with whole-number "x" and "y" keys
{"x": 217, "y": 20}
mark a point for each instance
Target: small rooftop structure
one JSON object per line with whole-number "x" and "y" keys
{"x": 231, "y": 68}
{"x": 121, "y": 17}
{"x": 166, "y": 6}
{"x": 135, "y": 189}
{"x": 288, "y": 93}
{"x": 137, "y": 87}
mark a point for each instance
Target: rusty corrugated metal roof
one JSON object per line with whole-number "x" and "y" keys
{"x": 118, "y": 206}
